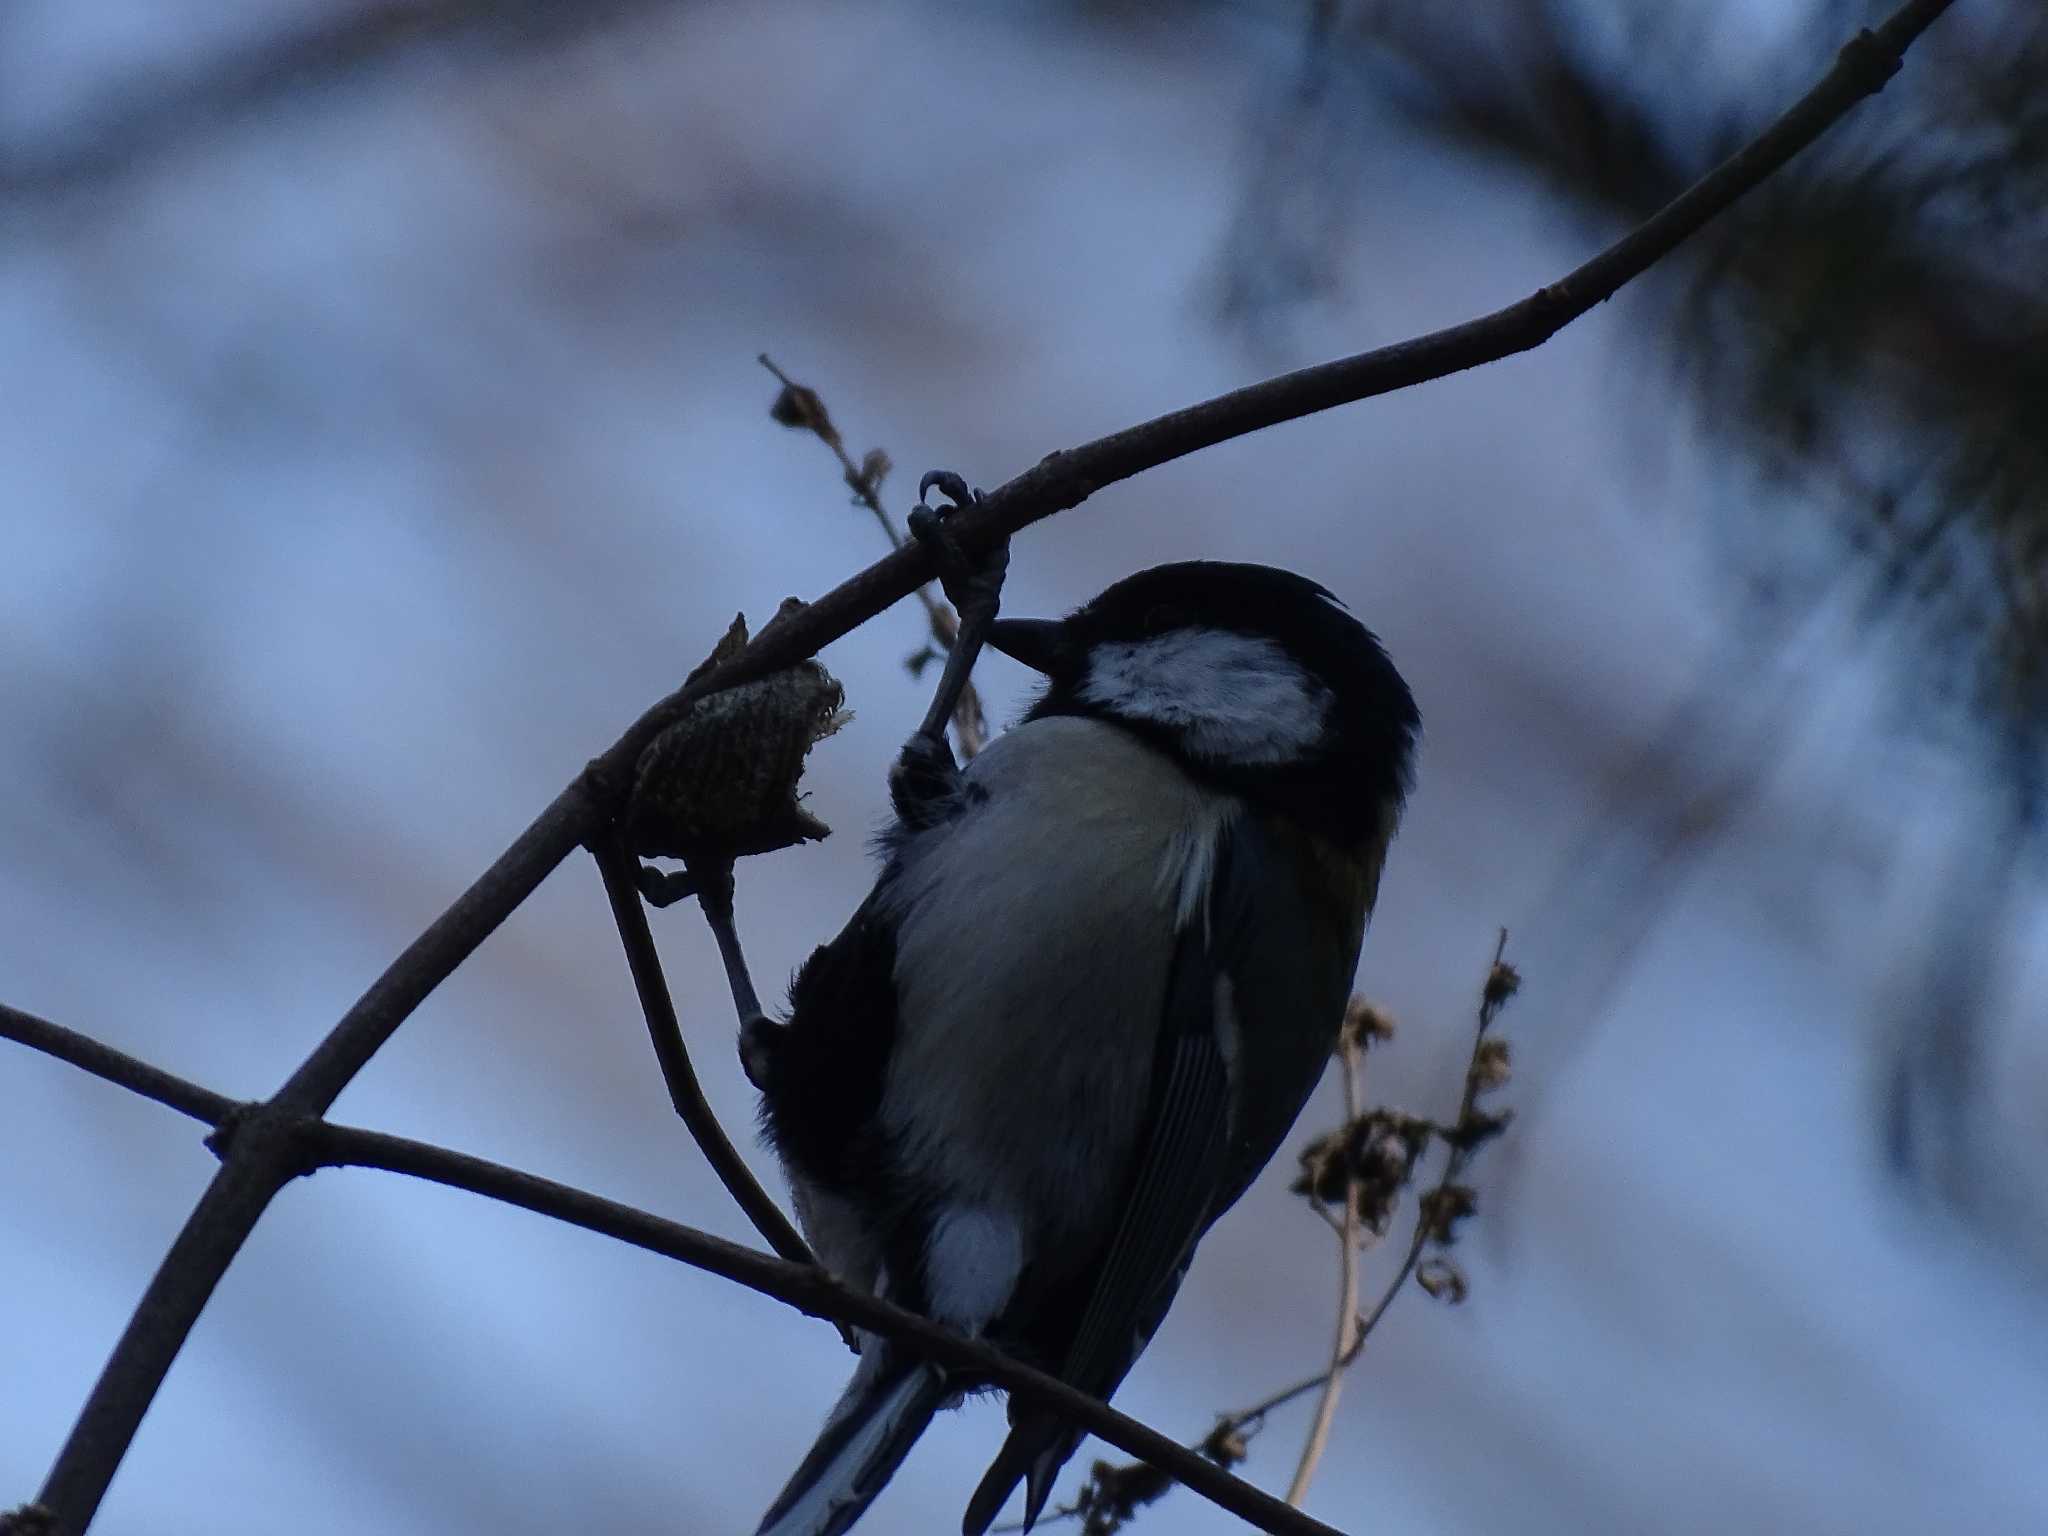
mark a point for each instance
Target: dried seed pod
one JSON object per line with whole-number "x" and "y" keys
{"x": 722, "y": 781}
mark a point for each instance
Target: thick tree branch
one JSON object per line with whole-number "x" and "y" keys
{"x": 259, "y": 1162}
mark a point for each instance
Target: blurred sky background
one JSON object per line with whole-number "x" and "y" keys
{"x": 382, "y": 431}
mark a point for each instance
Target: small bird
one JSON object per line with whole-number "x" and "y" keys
{"x": 1100, "y": 973}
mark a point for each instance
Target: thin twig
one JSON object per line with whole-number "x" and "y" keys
{"x": 116, "y": 1067}
{"x": 256, "y": 1166}
{"x": 1344, "y": 1349}
{"x": 619, "y": 869}
{"x": 970, "y": 722}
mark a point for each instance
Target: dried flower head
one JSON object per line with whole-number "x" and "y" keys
{"x": 1475, "y": 1128}
{"x": 1443, "y": 1208}
{"x": 1372, "y": 1159}
{"x": 722, "y": 781}
{"x": 1113, "y": 1494}
{"x": 1365, "y": 1025}
{"x": 1227, "y": 1444}
{"x": 1490, "y": 1063}
{"x": 1442, "y": 1279}
{"x": 1503, "y": 981}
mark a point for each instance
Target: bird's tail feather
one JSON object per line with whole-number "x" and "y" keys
{"x": 1037, "y": 1447}
{"x": 886, "y": 1407}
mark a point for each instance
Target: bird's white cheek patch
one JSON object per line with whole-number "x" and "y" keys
{"x": 1236, "y": 698}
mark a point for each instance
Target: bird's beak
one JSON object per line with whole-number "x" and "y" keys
{"x": 1039, "y": 643}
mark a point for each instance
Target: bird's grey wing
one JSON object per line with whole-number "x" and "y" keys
{"x": 1180, "y": 1161}
{"x": 1253, "y": 1004}
{"x": 1193, "y": 1159}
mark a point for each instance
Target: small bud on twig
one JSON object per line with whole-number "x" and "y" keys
{"x": 1503, "y": 981}
{"x": 798, "y": 405}
{"x": 867, "y": 480}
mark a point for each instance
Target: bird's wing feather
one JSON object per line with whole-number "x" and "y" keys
{"x": 1179, "y": 1161}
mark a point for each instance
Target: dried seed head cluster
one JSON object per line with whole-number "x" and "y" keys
{"x": 722, "y": 781}
{"x": 1113, "y": 1494}
{"x": 1443, "y": 1208}
{"x": 1372, "y": 1160}
{"x": 1452, "y": 1201}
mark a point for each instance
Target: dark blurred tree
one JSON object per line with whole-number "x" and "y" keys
{"x": 1872, "y": 329}
{"x": 1869, "y": 335}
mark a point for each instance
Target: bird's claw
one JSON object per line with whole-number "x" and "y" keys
{"x": 970, "y": 586}
{"x": 953, "y": 486}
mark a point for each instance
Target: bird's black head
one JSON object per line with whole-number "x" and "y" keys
{"x": 1256, "y": 678}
